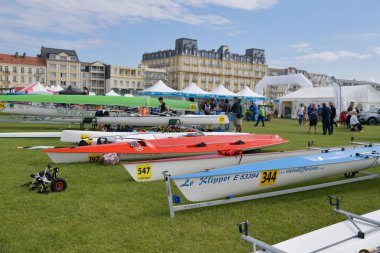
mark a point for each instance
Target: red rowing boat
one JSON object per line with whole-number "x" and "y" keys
{"x": 164, "y": 148}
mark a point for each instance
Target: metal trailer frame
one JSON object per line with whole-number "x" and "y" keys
{"x": 175, "y": 208}
{"x": 244, "y": 230}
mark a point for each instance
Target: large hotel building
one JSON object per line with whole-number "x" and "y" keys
{"x": 208, "y": 68}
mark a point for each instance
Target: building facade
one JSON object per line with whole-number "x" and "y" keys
{"x": 125, "y": 80}
{"x": 93, "y": 77}
{"x": 63, "y": 67}
{"x": 21, "y": 70}
{"x": 208, "y": 68}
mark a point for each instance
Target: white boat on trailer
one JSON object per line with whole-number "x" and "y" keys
{"x": 243, "y": 179}
{"x": 358, "y": 234}
{"x": 77, "y": 135}
{"x": 185, "y": 165}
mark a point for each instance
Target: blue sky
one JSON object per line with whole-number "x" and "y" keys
{"x": 334, "y": 37}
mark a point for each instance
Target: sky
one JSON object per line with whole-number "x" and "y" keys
{"x": 339, "y": 38}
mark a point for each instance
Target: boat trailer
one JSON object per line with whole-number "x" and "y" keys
{"x": 175, "y": 199}
{"x": 334, "y": 201}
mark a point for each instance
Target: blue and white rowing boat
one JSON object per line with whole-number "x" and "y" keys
{"x": 243, "y": 179}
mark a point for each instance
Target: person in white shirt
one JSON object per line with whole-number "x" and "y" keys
{"x": 354, "y": 122}
{"x": 300, "y": 114}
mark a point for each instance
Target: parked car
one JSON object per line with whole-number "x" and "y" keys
{"x": 371, "y": 117}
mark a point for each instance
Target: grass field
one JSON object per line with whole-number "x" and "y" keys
{"x": 104, "y": 210}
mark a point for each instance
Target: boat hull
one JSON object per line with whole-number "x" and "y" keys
{"x": 254, "y": 177}
{"x": 164, "y": 148}
{"x": 183, "y": 165}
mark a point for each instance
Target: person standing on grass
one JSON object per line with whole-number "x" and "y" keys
{"x": 261, "y": 115}
{"x": 313, "y": 120}
{"x": 332, "y": 117}
{"x": 326, "y": 117}
{"x": 232, "y": 114}
{"x": 239, "y": 116}
{"x": 305, "y": 115}
{"x": 300, "y": 114}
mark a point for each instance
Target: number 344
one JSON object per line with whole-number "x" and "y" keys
{"x": 268, "y": 177}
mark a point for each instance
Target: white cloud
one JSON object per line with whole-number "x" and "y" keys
{"x": 300, "y": 47}
{"x": 235, "y": 4}
{"x": 376, "y": 50}
{"x": 18, "y": 40}
{"x": 334, "y": 56}
{"x": 87, "y": 16}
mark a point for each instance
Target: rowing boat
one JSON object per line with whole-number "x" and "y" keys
{"x": 164, "y": 148}
{"x": 183, "y": 165}
{"x": 164, "y": 120}
{"x": 253, "y": 177}
{"x": 77, "y": 135}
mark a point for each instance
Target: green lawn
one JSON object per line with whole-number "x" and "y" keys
{"x": 104, "y": 210}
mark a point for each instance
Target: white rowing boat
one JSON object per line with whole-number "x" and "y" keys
{"x": 183, "y": 165}
{"x": 76, "y": 135}
{"x": 337, "y": 238}
{"x": 164, "y": 120}
{"x": 22, "y": 109}
{"x": 31, "y": 135}
{"x": 237, "y": 180}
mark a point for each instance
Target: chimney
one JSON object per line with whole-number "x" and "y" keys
{"x": 23, "y": 55}
{"x": 16, "y": 54}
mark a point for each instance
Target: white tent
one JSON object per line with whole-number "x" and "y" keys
{"x": 160, "y": 89}
{"x": 128, "y": 95}
{"x": 192, "y": 90}
{"x": 35, "y": 88}
{"x": 247, "y": 93}
{"x": 364, "y": 97}
{"x": 299, "y": 79}
{"x": 113, "y": 93}
{"x": 223, "y": 92}
{"x": 55, "y": 88}
{"x": 92, "y": 93}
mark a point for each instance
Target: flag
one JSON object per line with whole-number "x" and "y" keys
{"x": 337, "y": 98}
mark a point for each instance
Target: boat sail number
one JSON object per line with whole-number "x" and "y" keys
{"x": 144, "y": 171}
{"x": 268, "y": 177}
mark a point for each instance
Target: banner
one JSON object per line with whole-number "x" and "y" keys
{"x": 337, "y": 99}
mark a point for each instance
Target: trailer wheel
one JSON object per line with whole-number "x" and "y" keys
{"x": 364, "y": 251}
{"x": 58, "y": 185}
{"x": 350, "y": 174}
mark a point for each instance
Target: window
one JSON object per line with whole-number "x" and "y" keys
{"x": 29, "y": 70}
{"x": 115, "y": 82}
{"x": 63, "y": 83}
{"x": 73, "y": 84}
{"x": 53, "y": 75}
{"x": 14, "y": 69}
{"x": 22, "y": 70}
{"x": 73, "y": 75}
{"x": 121, "y": 83}
{"x": 73, "y": 58}
{"x": 52, "y": 56}
{"x": 63, "y": 67}
{"x": 14, "y": 79}
{"x": 52, "y": 82}
{"x": 53, "y": 66}
{"x": 1, "y": 68}
{"x": 62, "y": 57}
{"x": 30, "y": 79}
{"x": 73, "y": 68}
{"x": 6, "y": 69}
{"x": 63, "y": 75}
{"x": 84, "y": 82}
{"x": 6, "y": 78}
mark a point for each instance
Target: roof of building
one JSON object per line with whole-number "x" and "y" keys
{"x": 46, "y": 51}
{"x": 21, "y": 59}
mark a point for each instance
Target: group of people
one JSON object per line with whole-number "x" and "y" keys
{"x": 327, "y": 114}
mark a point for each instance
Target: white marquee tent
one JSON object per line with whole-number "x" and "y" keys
{"x": 299, "y": 79}
{"x": 35, "y": 88}
{"x": 249, "y": 94}
{"x": 112, "y": 93}
{"x": 160, "y": 89}
{"x": 223, "y": 92}
{"x": 192, "y": 90}
{"x": 364, "y": 97}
